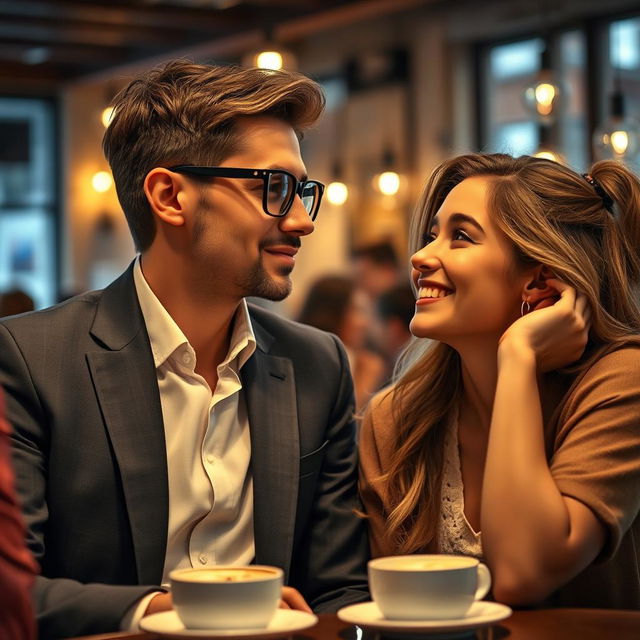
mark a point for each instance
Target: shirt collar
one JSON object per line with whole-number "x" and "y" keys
{"x": 166, "y": 336}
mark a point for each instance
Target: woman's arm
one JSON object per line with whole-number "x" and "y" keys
{"x": 534, "y": 538}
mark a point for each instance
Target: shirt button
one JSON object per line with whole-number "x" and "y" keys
{"x": 210, "y": 459}
{"x": 202, "y": 558}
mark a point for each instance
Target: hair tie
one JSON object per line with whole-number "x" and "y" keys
{"x": 607, "y": 200}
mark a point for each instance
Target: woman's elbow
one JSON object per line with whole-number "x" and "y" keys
{"x": 519, "y": 589}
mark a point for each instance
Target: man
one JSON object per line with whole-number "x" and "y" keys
{"x": 163, "y": 422}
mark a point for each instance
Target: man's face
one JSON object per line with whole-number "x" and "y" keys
{"x": 237, "y": 249}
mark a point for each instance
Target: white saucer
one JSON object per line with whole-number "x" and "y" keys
{"x": 284, "y": 621}
{"x": 368, "y": 616}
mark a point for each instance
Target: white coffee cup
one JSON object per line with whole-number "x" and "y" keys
{"x": 226, "y": 597}
{"x": 427, "y": 587}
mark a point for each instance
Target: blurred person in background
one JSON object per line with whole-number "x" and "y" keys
{"x": 17, "y": 567}
{"x": 15, "y": 301}
{"x": 395, "y": 310}
{"x": 376, "y": 268}
{"x": 164, "y": 422}
{"x": 336, "y": 304}
{"x": 512, "y": 433}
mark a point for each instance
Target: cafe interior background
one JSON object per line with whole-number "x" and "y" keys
{"x": 408, "y": 83}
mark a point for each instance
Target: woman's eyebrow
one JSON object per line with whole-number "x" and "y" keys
{"x": 457, "y": 218}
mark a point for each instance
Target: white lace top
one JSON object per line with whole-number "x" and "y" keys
{"x": 455, "y": 534}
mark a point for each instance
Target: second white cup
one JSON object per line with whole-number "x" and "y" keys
{"x": 427, "y": 587}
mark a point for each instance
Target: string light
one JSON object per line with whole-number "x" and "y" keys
{"x": 337, "y": 193}
{"x": 388, "y": 183}
{"x": 269, "y": 60}
{"x": 107, "y": 115}
{"x": 101, "y": 181}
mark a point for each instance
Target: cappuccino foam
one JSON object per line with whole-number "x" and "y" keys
{"x": 240, "y": 574}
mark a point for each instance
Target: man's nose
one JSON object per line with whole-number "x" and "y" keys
{"x": 297, "y": 220}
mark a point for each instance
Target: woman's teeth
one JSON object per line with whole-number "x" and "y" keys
{"x": 432, "y": 292}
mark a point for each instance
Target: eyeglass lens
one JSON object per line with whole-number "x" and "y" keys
{"x": 280, "y": 194}
{"x": 309, "y": 196}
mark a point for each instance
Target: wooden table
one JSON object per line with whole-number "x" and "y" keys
{"x": 541, "y": 624}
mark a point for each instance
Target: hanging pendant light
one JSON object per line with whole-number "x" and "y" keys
{"x": 388, "y": 180}
{"x": 543, "y": 95}
{"x": 546, "y": 149}
{"x": 618, "y": 137}
{"x": 337, "y": 190}
{"x": 271, "y": 55}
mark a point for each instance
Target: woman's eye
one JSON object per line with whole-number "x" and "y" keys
{"x": 459, "y": 234}
{"x": 428, "y": 238}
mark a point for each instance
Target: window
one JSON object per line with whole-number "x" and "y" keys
{"x": 507, "y": 69}
{"x": 27, "y": 199}
{"x": 511, "y": 128}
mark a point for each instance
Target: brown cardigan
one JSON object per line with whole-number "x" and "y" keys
{"x": 593, "y": 449}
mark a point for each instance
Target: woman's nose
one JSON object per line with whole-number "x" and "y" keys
{"x": 425, "y": 259}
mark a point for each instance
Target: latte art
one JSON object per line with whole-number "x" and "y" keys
{"x": 241, "y": 574}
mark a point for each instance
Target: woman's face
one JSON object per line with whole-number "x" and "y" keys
{"x": 468, "y": 288}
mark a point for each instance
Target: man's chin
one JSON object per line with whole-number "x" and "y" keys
{"x": 274, "y": 289}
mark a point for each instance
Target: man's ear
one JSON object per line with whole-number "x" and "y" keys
{"x": 537, "y": 292}
{"x": 165, "y": 193}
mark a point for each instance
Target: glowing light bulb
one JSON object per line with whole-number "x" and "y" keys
{"x": 101, "y": 181}
{"x": 337, "y": 193}
{"x": 269, "y": 60}
{"x": 547, "y": 155}
{"x": 619, "y": 141}
{"x": 389, "y": 183}
{"x": 545, "y": 95}
{"x": 107, "y": 115}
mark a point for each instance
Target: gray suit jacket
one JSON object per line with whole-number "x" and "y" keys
{"x": 90, "y": 457}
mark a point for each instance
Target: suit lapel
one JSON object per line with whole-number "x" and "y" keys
{"x": 275, "y": 452}
{"x": 125, "y": 381}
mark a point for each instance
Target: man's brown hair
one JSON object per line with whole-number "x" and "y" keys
{"x": 184, "y": 113}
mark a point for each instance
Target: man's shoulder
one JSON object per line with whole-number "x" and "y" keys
{"x": 280, "y": 326}
{"x": 72, "y": 309}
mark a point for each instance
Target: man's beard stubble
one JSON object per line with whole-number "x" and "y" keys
{"x": 258, "y": 283}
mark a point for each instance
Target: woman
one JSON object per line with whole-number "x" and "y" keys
{"x": 520, "y": 418}
{"x": 334, "y": 303}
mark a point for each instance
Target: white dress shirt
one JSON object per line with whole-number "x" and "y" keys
{"x": 208, "y": 446}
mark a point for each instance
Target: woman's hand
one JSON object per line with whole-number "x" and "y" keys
{"x": 554, "y": 333}
{"x": 292, "y": 599}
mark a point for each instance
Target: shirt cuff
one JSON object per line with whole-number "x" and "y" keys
{"x": 135, "y": 612}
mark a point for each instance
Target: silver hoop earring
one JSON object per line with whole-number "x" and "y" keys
{"x": 522, "y": 311}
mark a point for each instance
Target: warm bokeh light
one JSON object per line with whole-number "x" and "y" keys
{"x": 269, "y": 60}
{"x": 388, "y": 183}
{"x": 337, "y": 193}
{"x": 106, "y": 116}
{"x": 101, "y": 181}
{"x": 542, "y": 97}
{"x": 619, "y": 141}
{"x": 545, "y": 95}
{"x": 548, "y": 155}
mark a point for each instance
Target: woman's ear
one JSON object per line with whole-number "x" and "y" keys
{"x": 537, "y": 292}
{"x": 164, "y": 190}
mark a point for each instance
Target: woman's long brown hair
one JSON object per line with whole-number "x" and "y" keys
{"x": 553, "y": 216}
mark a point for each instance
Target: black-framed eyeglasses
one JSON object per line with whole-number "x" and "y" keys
{"x": 279, "y": 187}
